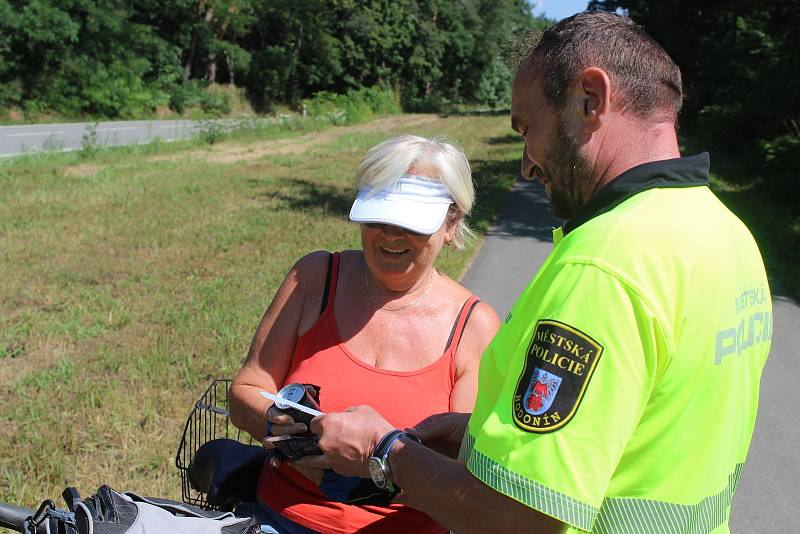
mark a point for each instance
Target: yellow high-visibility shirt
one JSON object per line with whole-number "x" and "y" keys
{"x": 621, "y": 393}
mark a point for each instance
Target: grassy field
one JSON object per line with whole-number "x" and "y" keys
{"x": 132, "y": 276}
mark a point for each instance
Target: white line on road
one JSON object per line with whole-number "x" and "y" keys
{"x": 117, "y": 129}
{"x": 29, "y": 134}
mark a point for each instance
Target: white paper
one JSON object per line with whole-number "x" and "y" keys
{"x": 304, "y": 409}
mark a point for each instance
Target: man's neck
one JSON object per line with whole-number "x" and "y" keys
{"x": 628, "y": 144}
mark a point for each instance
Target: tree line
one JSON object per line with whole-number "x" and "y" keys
{"x": 125, "y": 58}
{"x": 740, "y": 63}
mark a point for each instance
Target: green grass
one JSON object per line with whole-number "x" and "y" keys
{"x": 132, "y": 275}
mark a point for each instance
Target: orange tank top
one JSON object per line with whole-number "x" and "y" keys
{"x": 404, "y": 398}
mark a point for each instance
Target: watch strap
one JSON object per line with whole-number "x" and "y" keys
{"x": 382, "y": 453}
{"x": 381, "y": 447}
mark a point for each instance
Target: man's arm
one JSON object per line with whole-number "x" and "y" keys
{"x": 439, "y": 486}
{"x": 444, "y": 489}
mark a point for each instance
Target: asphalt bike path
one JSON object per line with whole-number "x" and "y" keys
{"x": 768, "y": 496}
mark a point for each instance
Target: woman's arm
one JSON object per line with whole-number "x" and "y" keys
{"x": 293, "y": 311}
{"x": 479, "y": 331}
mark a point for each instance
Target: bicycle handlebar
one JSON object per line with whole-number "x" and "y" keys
{"x": 14, "y": 517}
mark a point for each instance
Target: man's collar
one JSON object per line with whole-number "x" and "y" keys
{"x": 691, "y": 171}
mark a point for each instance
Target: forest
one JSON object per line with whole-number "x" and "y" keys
{"x": 127, "y": 58}
{"x": 116, "y": 59}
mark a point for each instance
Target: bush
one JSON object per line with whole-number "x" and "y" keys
{"x": 781, "y": 162}
{"x": 215, "y": 103}
{"x": 89, "y": 142}
{"x": 185, "y": 95}
{"x": 212, "y": 100}
{"x": 432, "y": 103}
{"x": 10, "y": 95}
{"x": 212, "y": 131}
{"x": 116, "y": 90}
{"x": 355, "y": 106}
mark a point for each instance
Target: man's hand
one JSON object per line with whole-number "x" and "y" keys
{"x": 443, "y": 432}
{"x": 347, "y": 439}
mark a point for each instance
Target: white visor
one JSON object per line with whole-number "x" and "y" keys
{"x": 415, "y": 203}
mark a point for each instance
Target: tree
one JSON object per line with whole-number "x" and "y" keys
{"x": 739, "y": 62}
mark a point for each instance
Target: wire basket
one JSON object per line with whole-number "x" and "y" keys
{"x": 207, "y": 421}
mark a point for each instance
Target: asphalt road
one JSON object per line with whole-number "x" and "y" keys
{"x": 30, "y": 138}
{"x": 768, "y": 498}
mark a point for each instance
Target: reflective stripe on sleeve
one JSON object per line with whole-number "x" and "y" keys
{"x": 623, "y": 515}
{"x": 527, "y": 491}
{"x": 617, "y": 515}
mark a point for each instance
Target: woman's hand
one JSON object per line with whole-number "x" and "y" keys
{"x": 280, "y": 424}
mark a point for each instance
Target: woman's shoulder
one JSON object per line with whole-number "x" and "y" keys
{"x": 481, "y": 326}
{"x": 311, "y": 271}
{"x": 314, "y": 265}
{"x": 483, "y": 320}
{"x": 319, "y": 259}
{"x": 312, "y": 261}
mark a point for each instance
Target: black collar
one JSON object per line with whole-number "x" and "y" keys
{"x": 691, "y": 171}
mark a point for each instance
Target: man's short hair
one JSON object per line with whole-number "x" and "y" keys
{"x": 646, "y": 81}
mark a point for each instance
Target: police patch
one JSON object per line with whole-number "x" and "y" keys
{"x": 560, "y": 361}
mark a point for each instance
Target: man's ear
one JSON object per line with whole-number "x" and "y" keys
{"x": 594, "y": 97}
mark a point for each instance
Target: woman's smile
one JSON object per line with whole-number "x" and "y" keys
{"x": 393, "y": 251}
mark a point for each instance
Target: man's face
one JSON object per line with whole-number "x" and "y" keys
{"x": 552, "y": 153}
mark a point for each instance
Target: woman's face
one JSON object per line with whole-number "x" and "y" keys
{"x": 399, "y": 258}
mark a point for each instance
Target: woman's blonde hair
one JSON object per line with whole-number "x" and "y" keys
{"x": 388, "y": 161}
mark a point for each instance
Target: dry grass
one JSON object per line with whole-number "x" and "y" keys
{"x": 236, "y": 152}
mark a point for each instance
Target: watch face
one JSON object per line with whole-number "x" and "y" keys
{"x": 376, "y": 472}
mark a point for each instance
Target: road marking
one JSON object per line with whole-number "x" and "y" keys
{"x": 117, "y": 129}
{"x": 30, "y": 134}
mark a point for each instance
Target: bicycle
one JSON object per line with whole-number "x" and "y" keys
{"x": 219, "y": 466}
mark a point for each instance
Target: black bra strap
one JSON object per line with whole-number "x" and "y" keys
{"x": 327, "y": 284}
{"x": 455, "y": 324}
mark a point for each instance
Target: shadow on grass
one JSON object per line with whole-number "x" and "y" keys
{"x": 476, "y": 113}
{"x": 510, "y": 139}
{"x": 299, "y": 194}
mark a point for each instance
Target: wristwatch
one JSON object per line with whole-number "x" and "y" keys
{"x": 379, "y": 470}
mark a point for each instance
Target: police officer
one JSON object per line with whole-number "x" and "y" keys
{"x": 620, "y": 395}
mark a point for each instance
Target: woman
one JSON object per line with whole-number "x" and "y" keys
{"x": 378, "y": 326}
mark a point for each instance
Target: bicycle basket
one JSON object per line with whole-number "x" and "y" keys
{"x": 207, "y": 421}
